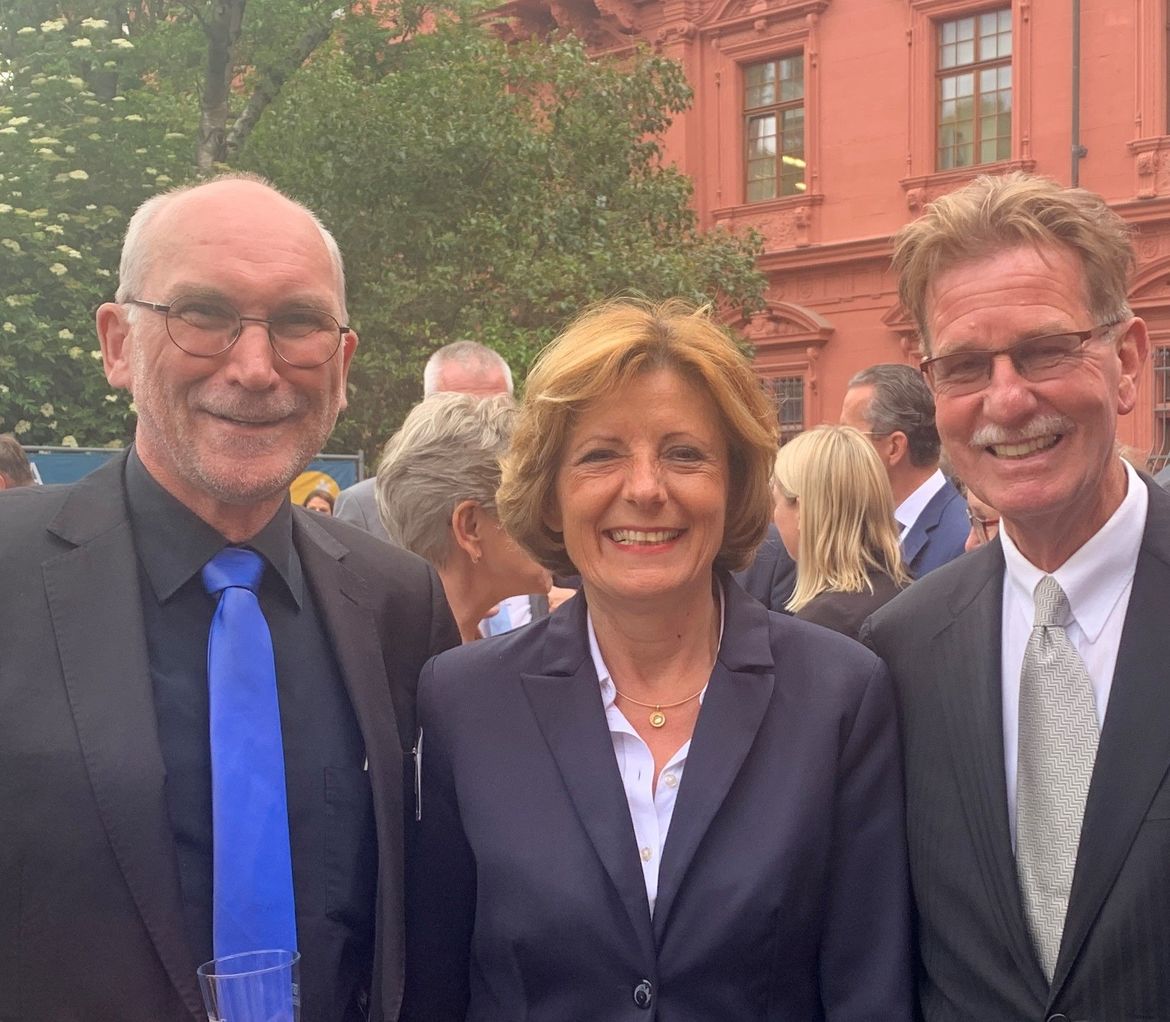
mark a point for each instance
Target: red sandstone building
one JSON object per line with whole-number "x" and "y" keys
{"x": 827, "y": 124}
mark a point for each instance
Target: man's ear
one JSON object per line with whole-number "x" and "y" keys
{"x": 349, "y": 343}
{"x": 1132, "y": 351}
{"x": 465, "y": 527}
{"x": 899, "y": 449}
{"x": 113, "y": 327}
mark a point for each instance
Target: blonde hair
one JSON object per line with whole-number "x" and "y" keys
{"x": 847, "y": 526}
{"x": 600, "y": 352}
{"x": 993, "y": 213}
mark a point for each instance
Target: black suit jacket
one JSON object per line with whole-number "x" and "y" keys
{"x": 941, "y": 639}
{"x": 782, "y": 892}
{"x": 90, "y": 908}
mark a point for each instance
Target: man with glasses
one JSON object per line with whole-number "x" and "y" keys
{"x": 206, "y": 694}
{"x": 1032, "y": 674}
{"x": 893, "y": 407}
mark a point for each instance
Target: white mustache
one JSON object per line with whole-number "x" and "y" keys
{"x": 1044, "y": 425}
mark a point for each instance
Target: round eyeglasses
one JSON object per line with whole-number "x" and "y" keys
{"x": 303, "y": 338}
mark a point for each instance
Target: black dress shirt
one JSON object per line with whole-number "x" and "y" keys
{"x": 331, "y": 820}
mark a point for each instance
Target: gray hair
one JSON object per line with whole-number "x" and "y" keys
{"x": 470, "y": 354}
{"x": 901, "y": 403}
{"x": 137, "y": 254}
{"x": 447, "y": 451}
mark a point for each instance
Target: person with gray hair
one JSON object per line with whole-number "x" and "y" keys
{"x": 15, "y": 469}
{"x": 463, "y": 367}
{"x": 1031, "y": 674}
{"x": 207, "y": 692}
{"x": 436, "y": 490}
{"x": 892, "y": 405}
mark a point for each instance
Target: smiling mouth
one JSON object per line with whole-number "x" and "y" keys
{"x": 1025, "y": 447}
{"x": 638, "y": 537}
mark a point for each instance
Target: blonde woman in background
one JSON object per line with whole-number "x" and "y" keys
{"x": 835, "y": 513}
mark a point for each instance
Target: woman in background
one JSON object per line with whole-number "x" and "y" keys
{"x": 437, "y": 498}
{"x": 835, "y": 513}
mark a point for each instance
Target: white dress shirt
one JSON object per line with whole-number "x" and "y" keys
{"x": 1097, "y": 580}
{"x": 651, "y": 806}
{"x": 908, "y": 511}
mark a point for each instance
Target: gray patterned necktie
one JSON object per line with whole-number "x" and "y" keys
{"x": 1058, "y": 744}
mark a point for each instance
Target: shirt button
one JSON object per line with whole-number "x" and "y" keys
{"x": 670, "y": 780}
{"x": 647, "y": 855}
{"x": 644, "y": 994}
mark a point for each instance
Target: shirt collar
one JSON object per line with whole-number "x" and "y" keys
{"x": 173, "y": 543}
{"x": 908, "y": 511}
{"x": 608, "y": 691}
{"x": 1096, "y": 576}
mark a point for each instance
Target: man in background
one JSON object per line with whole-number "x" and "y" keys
{"x": 892, "y": 405}
{"x": 463, "y": 367}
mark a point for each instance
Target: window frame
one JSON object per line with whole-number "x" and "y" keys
{"x": 976, "y": 68}
{"x": 778, "y": 108}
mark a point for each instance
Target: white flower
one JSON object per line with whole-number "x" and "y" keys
{"x": 162, "y": 179}
{"x": 122, "y": 44}
{"x": 10, "y": 244}
{"x": 45, "y": 140}
{"x": 27, "y": 30}
{"x": 94, "y": 23}
{"x": 96, "y": 354}
{"x": 134, "y": 409}
{"x": 111, "y": 398}
{"x": 22, "y": 427}
{"x": 8, "y": 328}
{"x": 135, "y": 118}
{"x": 5, "y": 208}
{"x": 65, "y": 335}
{"x": 18, "y": 120}
{"x": 72, "y": 253}
{"x": 54, "y": 229}
{"x": 76, "y": 82}
{"x": 69, "y": 441}
{"x": 46, "y": 409}
{"x": 79, "y": 175}
{"x": 7, "y": 131}
{"x": 75, "y": 352}
{"x": 58, "y": 270}
{"x": 81, "y": 44}
{"x": 53, "y": 26}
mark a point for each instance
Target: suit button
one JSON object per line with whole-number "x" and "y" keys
{"x": 644, "y": 994}
{"x": 1058, "y": 1018}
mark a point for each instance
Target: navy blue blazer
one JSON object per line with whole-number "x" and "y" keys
{"x": 939, "y": 533}
{"x": 783, "y": 888}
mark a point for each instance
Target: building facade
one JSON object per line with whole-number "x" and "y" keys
{"x": 828, "y": 124}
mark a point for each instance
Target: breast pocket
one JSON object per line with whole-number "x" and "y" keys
{"x": 351, "y": 847}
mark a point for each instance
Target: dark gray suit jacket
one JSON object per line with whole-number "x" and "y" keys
{"x": 358, "y": 505}
{"x": 91, "y": 919}
{"x": 941, "y": 639}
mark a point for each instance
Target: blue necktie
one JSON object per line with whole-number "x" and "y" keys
{"x": 252, "y": 870}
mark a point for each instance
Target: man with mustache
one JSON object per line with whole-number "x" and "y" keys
{"x": 1032, "y": 673}
{"x": 137, "y": 842}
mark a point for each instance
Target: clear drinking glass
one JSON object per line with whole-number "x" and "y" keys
{"x": 256, "y": 986}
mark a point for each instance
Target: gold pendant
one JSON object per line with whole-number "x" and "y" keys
{"x": 657, "y": 718}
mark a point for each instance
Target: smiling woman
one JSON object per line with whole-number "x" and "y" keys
{"x": 681, "y": 800}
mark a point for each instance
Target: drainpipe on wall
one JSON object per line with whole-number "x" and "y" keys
{"x": 1079, "y": 152}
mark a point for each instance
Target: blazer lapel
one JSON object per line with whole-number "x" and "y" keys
{"x": 737, "y": 698}
{"x": 347, "y": 613}
{"x": 566, "y": 702}
{"x": 1134, "y": 752}
{"x": 93, "y": 595}
{"x": 968, "y": 651}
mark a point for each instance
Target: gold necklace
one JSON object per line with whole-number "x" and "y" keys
{"x": 657, "y": 718}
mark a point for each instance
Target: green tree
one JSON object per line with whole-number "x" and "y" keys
{"x": 478, "y": 189}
